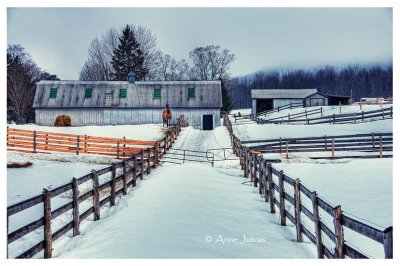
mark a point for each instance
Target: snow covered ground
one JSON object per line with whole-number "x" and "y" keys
{"x": 363, "y": 187}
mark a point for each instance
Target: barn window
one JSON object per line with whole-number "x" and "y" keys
{"x": 88, "y": 93}
{"x": 53, "y": 93}
{"x": 191, "y": 93}
{"x": 122, "y": 93}
{"x": 157, "y": 93}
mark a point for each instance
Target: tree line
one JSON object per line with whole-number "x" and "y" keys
{"x": 22, "y": 76}
{"x": 353, "y": 80}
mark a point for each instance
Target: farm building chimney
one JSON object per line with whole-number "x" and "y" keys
{"x": 131, "y": 77}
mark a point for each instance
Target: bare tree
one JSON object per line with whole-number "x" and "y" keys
{"x": 210, "y": 63}
{"x": 22, "y": 75}
{"x": 171, "y": 69}
{"x": 98, "y": 65}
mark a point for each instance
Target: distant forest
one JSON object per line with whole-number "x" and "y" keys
{"x": 357, "y": 81}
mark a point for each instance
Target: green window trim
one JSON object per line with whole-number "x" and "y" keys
{"x": 157, "y": 93}
{"x": 191, "y": 93}
{"x": 53, "y": 93}
{"x": 122, "y": 93}
{"x": 88, "y": 93}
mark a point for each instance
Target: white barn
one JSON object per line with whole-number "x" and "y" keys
{"x": 124, "y": 103}
{"x": 264, "y": 99}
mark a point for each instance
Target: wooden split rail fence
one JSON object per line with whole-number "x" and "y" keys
{"x": 33, "y": 141}
{"x": 133, "y": 169}
{"x": 275, "y": 194}
{"x": 384, "y": 113}
{"x": 374, "y": 142}
{"x": 268, "y": 112}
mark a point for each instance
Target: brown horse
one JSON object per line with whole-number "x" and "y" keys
{"x": 166, "y": 116}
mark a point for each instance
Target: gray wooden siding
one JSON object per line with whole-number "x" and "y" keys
{"x": 281, "y": 102}
{"x": 104, "y": 116}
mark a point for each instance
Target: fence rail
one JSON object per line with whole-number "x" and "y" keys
{"x": 384, "y": 113}
{"x": 33, "y": 141}
{"x": 133, "y": 169}
{"x": 268, "y": 112}
{"x": 261, "y": 175}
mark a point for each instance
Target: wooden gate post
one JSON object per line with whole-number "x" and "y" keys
{"x": 388, "y": 242}
{"x": 339, "y": 234}
{"x": 75, "y": 206}
{"x": 141, "y": 163}
{"x": 380, "y": 147}
{"x": 77, "y": 145}
{"x": 124, "y": 179}
{"x": 333, "y": 148}
{"x": 112, "y": 196}
{"x": 134, "y": 173}
{"x": 254, "y": 172}
{"x": 245, "y": 164}
{"x": 271, "y": 189}
{"x": 48, "y": 236}
{"x": 148, "y": 161}
{"x": 34, "y": 141}
{"x": 261, "y": 183}
{"x": 282, "y": 198}
{"x": 96, "y": 197}
{"x": 317, "y": 226}
{"x": 265, "y": 182}
{"x": 297, "y": 210}
{"x": 155, "y": 162}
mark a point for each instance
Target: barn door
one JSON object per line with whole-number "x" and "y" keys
{"x": 208, "y": 122}
{"x": 317, "y": 102}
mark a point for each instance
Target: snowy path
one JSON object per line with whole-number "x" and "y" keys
{"x": 189, "y": 211}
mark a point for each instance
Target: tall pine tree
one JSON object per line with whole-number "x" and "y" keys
{"x": 128, "y": 57}
{"x": 226, "y": 99}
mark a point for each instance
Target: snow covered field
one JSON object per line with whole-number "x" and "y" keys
{"x": 363, "y": 187}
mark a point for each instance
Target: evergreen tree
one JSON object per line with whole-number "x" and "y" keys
{"x": 226, "y": 99}
{"x": 128, "y": 57}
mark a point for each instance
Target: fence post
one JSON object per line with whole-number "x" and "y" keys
{"x": 265, "y": 182}
{"x": 317, "y": 226}
{"x": 245, "y": 161}
{"x": 271, "y": 189}
{"x": 355, "y": 118}
{"x": 362, "y": 116}
{"x": 254, "y": 172}
{"x": 75, "y": 206}
{"x": 288, "y": 116}
{"x": 148, "y": 161}
{"x": 123, "y": 147}
{"x": 287, "y": 151}
{"x": 48, "y": 236}
{"x": 297, "y": 210}
{"x": 34, "y": 141}
{"x": 280, "y": 145}
{"x": 134, "y": 170}
{"x": 282, "y": 198}
{"x": 380, "y": 147}
{"x": 333, "y": 148}
{"x": 96, "y": 197}
{"x": 334, "y": 120}
{"x": 77, "y": 145}
{"x": 85, "y": 144}
{"x": 141, "y": 163}
{"x": 339, "y": 235}
{"x": 383, "y": 113}
{"x": 155, "y": 162}
{"x": 165, "y": 145}
{"x": 261, "y": 183}
{"x": 321, "y": 111}
{"x": 118, "y": 150}
{"x": 391, "y": 111}
{"x": 326, "y": 144}
{"x": 112, "y": 196}
{"x": 388, "y": 242}
{"x": 124, "y": 179}
{"x": 340, "y": 106}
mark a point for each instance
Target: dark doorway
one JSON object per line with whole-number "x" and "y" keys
{"x": 264, "y": 105}
{"x": 208, "y": 122}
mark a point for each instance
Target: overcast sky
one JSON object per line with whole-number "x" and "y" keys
{"x": 261, "y": 38}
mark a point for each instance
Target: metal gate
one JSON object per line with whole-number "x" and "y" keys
{"x": 180, "y": 156}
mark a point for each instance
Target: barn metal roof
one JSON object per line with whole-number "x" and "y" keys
{"x": 71, "y": 94}
{"x": 282, "y": 93}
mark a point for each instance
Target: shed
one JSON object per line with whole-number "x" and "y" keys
{"x": 315, "y": 99}
{"x": 128, "y": 103}
{"x": 263, "y": 100}
{"x": 339, "y": 99}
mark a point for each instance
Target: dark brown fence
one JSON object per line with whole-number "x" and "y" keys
{"x": 268, "y": 112}
{"x": 275, "y": 194}
{"x": 133, "y": 169}
{"x": 384, "y": 113}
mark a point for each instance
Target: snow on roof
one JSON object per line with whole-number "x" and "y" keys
{"x": 282, "y": 93}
